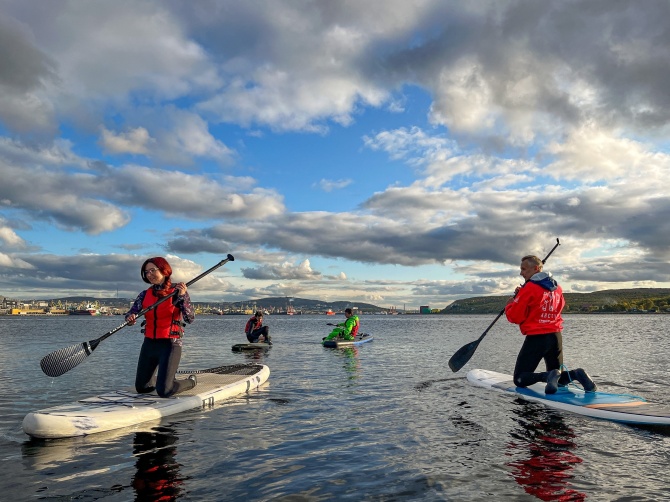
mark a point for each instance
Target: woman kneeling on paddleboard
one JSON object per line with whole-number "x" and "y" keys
{"x": 163, "y": 330}
{"x": 536, "y": 307}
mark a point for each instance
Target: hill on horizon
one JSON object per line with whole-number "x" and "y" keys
{"x": 280, "y": 302}
{"x": 608, "y": 300}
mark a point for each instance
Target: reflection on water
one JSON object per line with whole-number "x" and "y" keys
{"x": 351, "y": 362}
{"x": 157, "y": 476}
{"x": 256, "y": 355}
{"x": 543, "y": 446}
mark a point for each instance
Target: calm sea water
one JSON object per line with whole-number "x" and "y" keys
{"x": 385, "y": 421}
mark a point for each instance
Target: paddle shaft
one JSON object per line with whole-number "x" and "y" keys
{"x": 463, "y": 355}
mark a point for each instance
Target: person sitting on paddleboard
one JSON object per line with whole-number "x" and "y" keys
{"x": 163, "y": 330}
{"x": 347, "y": 329}
{"x": 536, "y": 307}
{"x": 255, "y": 331}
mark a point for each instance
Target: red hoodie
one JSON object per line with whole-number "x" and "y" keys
{"x": 536, "y": 310}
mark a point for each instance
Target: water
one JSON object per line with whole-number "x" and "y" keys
{"x": 385, "y": 421}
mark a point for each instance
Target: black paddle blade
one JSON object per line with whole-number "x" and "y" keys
{"x": 463, "y": 355}
{"x": 63, "y": 360}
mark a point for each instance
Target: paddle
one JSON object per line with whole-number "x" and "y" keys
{"x": 63, "y": 360}
{"x": 463, "y": 355}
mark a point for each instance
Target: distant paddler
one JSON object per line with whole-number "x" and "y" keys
{"x": 346, "y": 330}
{"x": 255, "y": 331}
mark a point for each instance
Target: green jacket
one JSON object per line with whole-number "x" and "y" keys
{"x": 350, "y": 326}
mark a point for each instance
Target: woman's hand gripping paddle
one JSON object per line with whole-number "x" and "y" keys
{"x": 463, "y": 355}
{"x": 63, "y": 360}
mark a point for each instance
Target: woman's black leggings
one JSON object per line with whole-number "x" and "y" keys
{"x": 164, "y": 354}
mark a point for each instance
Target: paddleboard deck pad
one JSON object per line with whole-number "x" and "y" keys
{"x": 358, "y": 340}
{"x": 123, "y": 408}
{"x": 623, "y": 408}
{"x": 239, "y": 347}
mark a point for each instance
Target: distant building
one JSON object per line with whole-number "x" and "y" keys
{"x": 424, "y": 309}
{"x": 27, "y": 311}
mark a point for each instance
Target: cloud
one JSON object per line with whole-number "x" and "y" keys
{"x": 184, "y": 136}
{"x": 168, "y": 137}
{"x": 57, "y": 190}
{"x": 9, "y": 262}
{"x": 104, "y": 276}
{"x": 57, "y": 154}
{"x": 9, "y": 238}
{"x": 134, "y": 141}
{"x": 283, "y": 271}
{"x": 193, "y": 196}
{"x": 511, "y": 123}
{"x": 26, "y": 70}
{"x": 514, "y": 72}
{"x": 51, "y": 195}
{"x": 330, "y": 185}
{"x": 413, "y": 145}
{"x": 591, "y": 154}
{"x": 120, "y": 49}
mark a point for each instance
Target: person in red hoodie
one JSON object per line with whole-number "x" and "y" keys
{"x": 536, "y": 307}
{"x": 163, "y": 330}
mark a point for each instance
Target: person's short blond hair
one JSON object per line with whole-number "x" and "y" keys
{"x": 532, "y": 259}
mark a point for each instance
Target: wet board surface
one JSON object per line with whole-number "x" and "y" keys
{"x": 624, "y": 408}
{"x": 123, "y": 408}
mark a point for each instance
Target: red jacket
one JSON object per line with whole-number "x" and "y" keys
{"x": 536, "y": 310}
{"x": 164, "y": 321}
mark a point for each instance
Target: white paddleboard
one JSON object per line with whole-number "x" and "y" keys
{"x": 358, "y": 340}
{"x": 624, "y": 408}
{"x": 123, "y": 408}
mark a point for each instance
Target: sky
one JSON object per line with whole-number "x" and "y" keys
{"x": 393, "y": 152}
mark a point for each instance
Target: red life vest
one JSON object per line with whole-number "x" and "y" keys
{"x": 354, "y": 330}
{"x": 163, "y": 321}
{"x": 252, "y": 324}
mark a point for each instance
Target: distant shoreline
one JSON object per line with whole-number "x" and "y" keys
{"x": 450, "y": 314}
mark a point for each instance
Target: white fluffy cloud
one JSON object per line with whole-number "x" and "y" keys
{"x": 134, "y": 141}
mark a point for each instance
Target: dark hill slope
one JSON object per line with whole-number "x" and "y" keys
{"x": 610, "y": 300}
